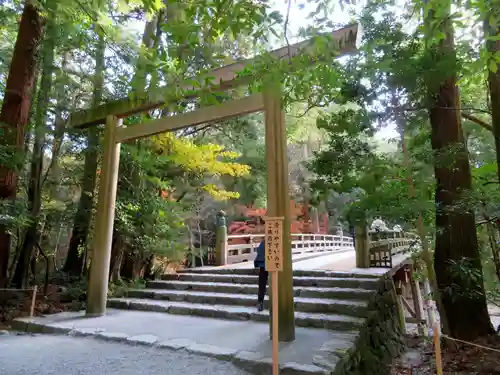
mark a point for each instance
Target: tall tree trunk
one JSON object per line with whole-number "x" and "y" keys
{"x": 149, "y": 273}
{"x": 54, "y": 173}
{"x": 491, "y": 230}
{"x": 35, "y": 181}
{"x": 76, "y": 251}
{"x": 15, "y": 113}
{"x": 463, "y": 299}
{"x": 132, "y": 265}
{"x": 494, "y": 247}
{"x": 491, "y": 33}
{"x": 117, "y": 251}
{"x": 142, "y": 66}
{"x": 125, "y": 263}
{"x": 306, "y": 191}
{"x": 155, "y": 72}
{"x": 422, "y": 233}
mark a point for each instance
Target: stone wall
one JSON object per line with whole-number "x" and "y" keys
{"x": 380, "y": 340}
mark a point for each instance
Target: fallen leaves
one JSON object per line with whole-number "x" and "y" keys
{"x": 458, "y": 359}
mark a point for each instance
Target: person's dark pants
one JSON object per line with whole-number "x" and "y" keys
{"x": 263, "y": 276}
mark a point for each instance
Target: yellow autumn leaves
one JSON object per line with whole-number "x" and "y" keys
{"x": 210, "y": 160}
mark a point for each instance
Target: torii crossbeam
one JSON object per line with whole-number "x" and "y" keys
{"x": 344, "y": 40}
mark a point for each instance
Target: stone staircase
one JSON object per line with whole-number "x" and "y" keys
{"x": 358, "y": 314}
{"x": 331, "y": 300}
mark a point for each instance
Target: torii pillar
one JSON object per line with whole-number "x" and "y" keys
{"x": 278, "y": 203}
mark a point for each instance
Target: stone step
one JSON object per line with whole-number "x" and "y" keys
{"x": 349, "y": 282}
{"x": 312, "y": 305}
{"x": 320, "y": 273}
{"x": 253, "y": 271}
{"x": 302, "y": 319}
{"x": 298, "y": 291}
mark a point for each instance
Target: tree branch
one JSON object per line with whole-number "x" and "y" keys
{"x": 285, "y": 32}
{"x": 181, "y": 196}
{"x": 490, "y": 182}
{"x": 477, "y": 121}
{"x": 46, "y": 280}
{"x": 197, "y": 129}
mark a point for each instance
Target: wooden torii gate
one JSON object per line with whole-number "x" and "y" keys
{"x": 345, "y": 40}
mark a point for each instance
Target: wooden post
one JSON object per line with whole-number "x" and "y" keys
{"x": 418, "y": 306}
{"x": 315, "y": 220}
{"x": 105, "y": 216}
{"x": 275, "y": 318}
{"x": 274, "y": 265}
{"x": 401, "y": 311}
{"x": 437, "y": 350}
{"x": 362, "y": 245}
{"x": 33, "y": 300}
{"x": 221, "y": 240}
{"x": 278, "y": 202}
{"x": 429, "y": 305}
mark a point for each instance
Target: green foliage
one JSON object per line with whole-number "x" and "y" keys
{"x": 119, "y": 289}
{"x": 75, "y": 290}
{"x": 466, "y": 278}
{"x": 147, "y": 222}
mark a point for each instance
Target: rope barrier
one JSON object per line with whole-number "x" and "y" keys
{"x": 471, "y": 343}
{"x": 437, "y": 347}
{"x": 33, "y": 296}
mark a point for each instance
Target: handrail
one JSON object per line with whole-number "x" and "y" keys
{"x": 382, "y": 251}
{"x": 291, "y": 234}
{"x": 301, "y": 243}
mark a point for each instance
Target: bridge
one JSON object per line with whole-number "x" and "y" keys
{"x": 347, "y": 313}
{"x": 383, "y": 249}
{"x": 303, "y": 245}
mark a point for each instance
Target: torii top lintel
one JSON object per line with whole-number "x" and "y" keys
{"x": 346, "y": 39}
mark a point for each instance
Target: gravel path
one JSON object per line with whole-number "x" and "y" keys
{"x": 62, "y": 355}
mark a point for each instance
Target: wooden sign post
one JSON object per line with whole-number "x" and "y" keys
{"x": 274, "y": 264}
{"x": 437, "y": 349}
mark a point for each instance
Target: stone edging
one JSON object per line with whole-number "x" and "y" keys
{"x": 250, "y": 361}
{"x": 380, "y": 340}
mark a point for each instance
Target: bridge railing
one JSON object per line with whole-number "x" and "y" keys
{"x": 301, "y": 243}
{"x": 384, "y": 246}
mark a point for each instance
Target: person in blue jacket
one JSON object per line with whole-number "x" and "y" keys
{"x": 260, "y": 263}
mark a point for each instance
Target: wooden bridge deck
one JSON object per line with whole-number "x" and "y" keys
{"x": 341, "y": 261}
{"x": 348, "y": 264}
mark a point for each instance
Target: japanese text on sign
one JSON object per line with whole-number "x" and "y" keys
{"x": 274, "y": 244}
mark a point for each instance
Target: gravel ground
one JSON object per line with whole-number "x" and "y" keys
{"x": 62, "y": 355}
